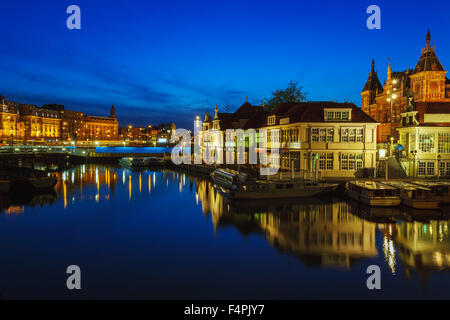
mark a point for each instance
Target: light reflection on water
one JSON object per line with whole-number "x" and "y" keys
{"x": 324, "y": 236}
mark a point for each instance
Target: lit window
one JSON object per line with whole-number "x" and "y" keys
{"x": 426, "y": 142}
{"x": 351, "y": 161}
{"x": 352, "y": 135}
{"x": 326, "y": 161}
{"x": 444, "y": 143}
{"x": 322, "y": 134}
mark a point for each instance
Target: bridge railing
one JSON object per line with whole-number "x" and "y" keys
{"x": 35, "y": 149}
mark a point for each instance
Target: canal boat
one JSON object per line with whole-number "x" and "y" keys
{"x": 228, "y": 178}
{"x": 43, "y": 182}
{"x": 155, "y": 161}
{"x": 440, "y": 191}
{"x": 239, "y": 186}
{"x": 134, "y": 162}
{"x": 26, "y": 178}
{"x": 414, "y": 196}
{"x": 281, "y": 189}
{"x": 373, "y": 193}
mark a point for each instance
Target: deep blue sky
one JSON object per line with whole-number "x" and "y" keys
{"x": 160, "y": 60}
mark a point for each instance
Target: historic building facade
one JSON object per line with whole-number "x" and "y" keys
{"x": 325, "y": 138}
{"x": 52, "y": 123}
{"x": 71, "y": 124}
{"x": 332, "y": 139}
{"x": 10, "y": 127}
{"x": 425, "y": 135}
{"x": 101, "y": 129}
{"x": 427, "y": 82}
{"x": 39, "y": 124}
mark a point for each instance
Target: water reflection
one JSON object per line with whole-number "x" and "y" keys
{"x": 336, "y": 233}
{"x": 319, "y": 232}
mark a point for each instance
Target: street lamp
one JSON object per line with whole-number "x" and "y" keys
{"x": 414, "y": 154}
{"x": 390, "y": 100}
{"x": 439, "y": 167}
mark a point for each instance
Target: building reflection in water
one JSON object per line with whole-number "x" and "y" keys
{"x": 334, "y": 233}
{"x": 319, "y": 232}
{"x": 423, "y": 247}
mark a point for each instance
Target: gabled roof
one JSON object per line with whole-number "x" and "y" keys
{"x": 246, "y": 111}
{"x": 245, "y": 116}
{"x": 226, "y": 120}
{"x": 313, "y": 111}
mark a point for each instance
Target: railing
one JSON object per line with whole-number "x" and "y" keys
{"x": 303, "y": 174}
{"x": 35, "y": 149}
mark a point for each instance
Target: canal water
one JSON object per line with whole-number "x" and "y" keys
{"x": 160, "y": 234}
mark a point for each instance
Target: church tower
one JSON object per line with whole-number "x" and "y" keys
{"x": 428, "y": 80}
{"x": 370, "y": 90}
{"x": 112, "y": 113}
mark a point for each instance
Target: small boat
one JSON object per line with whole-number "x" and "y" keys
{"x": 373, "y": 193}
{"x": 414, "y": 196}
{"x": 228, "y": 178}
{"x": 43, "y": 182}
{"x": 281, "y": 189}
{"x": 134, "y": 162}
{"x": 155, "y": 161}
{"x": 238, "y": 186}
{"x": 4, "y": 185}
{"x": 21, "y": 179}
{"x": 440, "y": 191}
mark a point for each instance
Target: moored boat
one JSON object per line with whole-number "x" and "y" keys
{"x": 228, "y": 178}
{"x": 43, "y": 182}
{"x": 373, "y": 193}
{"x": 155, "y": 161}
{"x": 239, "y": 186}
{"x": 414, "y": 196}
{"x": 134, "y": 162}
{"x": 440, "y": 191}
{"x": 281, "y": 189}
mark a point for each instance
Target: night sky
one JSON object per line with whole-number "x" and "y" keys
{"x": 159, "y": 61}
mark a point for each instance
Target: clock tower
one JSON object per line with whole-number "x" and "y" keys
{"x": 428, "y": 81}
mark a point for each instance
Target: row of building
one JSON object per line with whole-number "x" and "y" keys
{"x": 154, "y": 135}
{"x": 54, "y": 124}
{"x": 334, "y": 139}
{"x": 410, "y": 114}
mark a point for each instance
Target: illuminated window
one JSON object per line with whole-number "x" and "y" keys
{"x": 350, "y": 161}
{"x": 271, "y": 120}
{"x": 322, "y": 134}
{"x": 426, "y": 168}
{"x": 337, "y": 115}
{"x": 352, "y": 135}
{"x": 444, "y": 143}
{"x": 325, "y": 161}
{"x": 444, "y": 169}
{"x": 426, "y": 142}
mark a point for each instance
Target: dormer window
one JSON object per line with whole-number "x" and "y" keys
{"x": 346, "y": 115}
{"x": 271, "y": 120}
{"x": 337, "y": 115}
